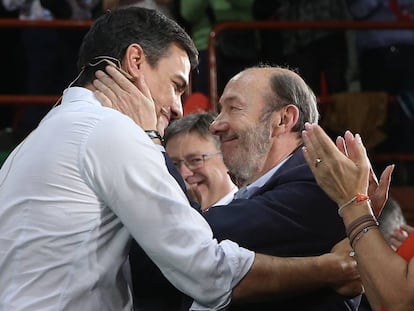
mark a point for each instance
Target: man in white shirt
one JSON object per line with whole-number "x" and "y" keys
{"x": 87, "y": 178}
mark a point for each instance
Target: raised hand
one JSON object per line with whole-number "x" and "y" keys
{"x": 115, "y": 90}
{"x": 378, "y": 191}
{"x": 339, "y": 176}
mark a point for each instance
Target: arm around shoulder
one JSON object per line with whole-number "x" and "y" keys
{"x": 273, "y": 277}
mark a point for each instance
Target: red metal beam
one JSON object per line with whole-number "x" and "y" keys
{"x": 53, "y": 23}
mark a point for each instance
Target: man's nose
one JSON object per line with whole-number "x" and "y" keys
{"x": 218, "y": 125}
{"x": 177, "y": 109}
{"x": 185, "y": 171}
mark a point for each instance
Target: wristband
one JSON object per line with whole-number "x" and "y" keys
{"x": 359, "y": 235}
{"x": 154, "y": 134}
{"x": 358, "y": 198}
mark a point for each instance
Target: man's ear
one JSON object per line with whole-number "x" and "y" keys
{"x": 285, "y": 119}
{"x": 134, "y": 57}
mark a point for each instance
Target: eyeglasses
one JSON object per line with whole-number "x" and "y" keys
{"x": 196, "y": 161}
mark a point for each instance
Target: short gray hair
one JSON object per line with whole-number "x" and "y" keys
{"x": 196, "y": 122}
{"x": 287, "y": 88}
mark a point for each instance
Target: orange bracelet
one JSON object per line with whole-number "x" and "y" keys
{"x": 358, "y": 198}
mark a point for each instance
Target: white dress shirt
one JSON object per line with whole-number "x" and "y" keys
{"x": 70, "y": 196}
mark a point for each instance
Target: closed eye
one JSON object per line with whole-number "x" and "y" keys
{"x": 195, "y": 161}
{"x": 180, "y": 87}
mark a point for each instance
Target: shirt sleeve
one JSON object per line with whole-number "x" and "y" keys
{"x": 128, "y": 172}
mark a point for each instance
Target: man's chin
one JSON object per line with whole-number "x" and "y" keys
{"x": 162, "y": 125}
{"x": 161, "y": 128}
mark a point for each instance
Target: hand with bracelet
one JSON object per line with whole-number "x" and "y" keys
{"x": 343, "y": 171}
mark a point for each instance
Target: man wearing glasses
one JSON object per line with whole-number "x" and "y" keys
{"x": 196, "y": 154}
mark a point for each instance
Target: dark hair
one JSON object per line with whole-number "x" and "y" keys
{"x": 113, "y": 32}
{"x": 195, "y": 122}
{"x": 287, "y": 87}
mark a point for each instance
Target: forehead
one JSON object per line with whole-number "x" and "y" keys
{"x": 246, "y": 87}
{"x": 185, "y": 144}
{"x": 176, "y": 62}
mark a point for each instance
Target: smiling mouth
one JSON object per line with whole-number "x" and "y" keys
{"x": 225, "y": 139}
{"x": 166, "y": 116}
{"x": 194, "y": 181}
{"x": 163, "y": 111}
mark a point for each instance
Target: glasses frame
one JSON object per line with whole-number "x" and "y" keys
{"x": 203, "y": 157}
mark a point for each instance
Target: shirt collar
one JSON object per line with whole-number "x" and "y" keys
{"x": 227, "y": 198}
{"x": 77, "y": 93}
{"x": 258, "y": 183}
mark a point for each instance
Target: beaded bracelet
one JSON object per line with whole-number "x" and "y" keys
{"x": 358, "y": 198}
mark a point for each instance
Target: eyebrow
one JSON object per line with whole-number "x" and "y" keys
{"x": 193, "y": 154}
{"x": 231, "y": 99}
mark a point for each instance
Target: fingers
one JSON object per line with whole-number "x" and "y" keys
{"x": 116, "y": 91}
{"x": 317, "y": 143}
{"x": 385, "y": 179}
{"x": 398, "y": 236}
{"x": 114, "y": 84}
{"x": 378, "y": 191}
{"x": 308, "y": 139}
{"x": 356, "y": 150}
{"x": 373, "y": 179}
{"x": 119, "y": 80}
{"x": 348, "y": 281}
{"x": 395, "y": 244}
{"x": 340, "y": 143}
{"x": 103, "y": 99}
{"x": 143, "y": 87}
{"x": 105, "y": 86}
{"x": 407, "y": 228}
{"x": 384, "y": 184}
{"x": 350, "y": 289}
{"x": 318, "y": 140}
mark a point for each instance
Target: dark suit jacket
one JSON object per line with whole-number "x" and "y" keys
{"x": 289, "y": 216}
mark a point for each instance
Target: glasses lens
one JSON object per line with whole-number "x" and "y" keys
{"x": 195, "y": 162}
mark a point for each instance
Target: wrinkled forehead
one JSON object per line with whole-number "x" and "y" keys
{"x": 246, "y": 88}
